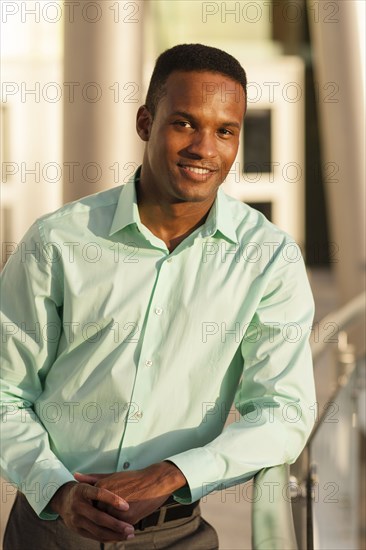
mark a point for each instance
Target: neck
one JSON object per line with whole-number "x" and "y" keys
{"x": 170, "y": 222}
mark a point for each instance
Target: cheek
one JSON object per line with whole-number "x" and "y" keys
{"x": 167, "y": 143}
{"x": 176, "y": 142}
{"x": 229, "y": 152}
{"x": 158, "y": 148}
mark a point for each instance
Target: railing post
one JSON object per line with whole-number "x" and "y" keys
{"x": 272, "y": 521}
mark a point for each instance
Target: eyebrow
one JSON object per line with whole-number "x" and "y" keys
{"x": 184, "y": 114}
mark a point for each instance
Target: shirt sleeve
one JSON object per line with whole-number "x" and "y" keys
{"x": 275, "y": 398}
{"x": 31, "y": 302}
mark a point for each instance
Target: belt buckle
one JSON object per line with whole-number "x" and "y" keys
{"x": 153, "y": 519}
{"x": 149, "y": 521}
{"x": 141, "y": 525}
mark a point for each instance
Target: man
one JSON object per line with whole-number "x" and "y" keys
{"x": 141, "y": 314}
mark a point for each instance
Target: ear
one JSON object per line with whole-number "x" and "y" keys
{"x": 143, "y": 123}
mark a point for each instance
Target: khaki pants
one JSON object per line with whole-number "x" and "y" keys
{"x": 25, "y": 531}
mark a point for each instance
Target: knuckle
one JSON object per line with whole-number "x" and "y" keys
{"x": 101, "y": 535}
{"x": 117, "y": 525}
{"x": 73, "y": 507}
{"x": 127, "y": 518}
{"x": 98, "y": 494}
{"x": 81, "y": 490}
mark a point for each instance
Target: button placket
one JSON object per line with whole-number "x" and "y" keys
{"x": 148, "y": 362}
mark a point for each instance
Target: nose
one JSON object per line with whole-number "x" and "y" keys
{"x": 203, "y": 145}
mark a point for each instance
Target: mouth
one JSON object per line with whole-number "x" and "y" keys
{"x": 197, "y": 173}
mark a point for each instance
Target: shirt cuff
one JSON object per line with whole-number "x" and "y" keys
{"x": 200, "y": 470}
{"x": 45, "y": 478}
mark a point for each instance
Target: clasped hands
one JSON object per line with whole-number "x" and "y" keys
{"x": 104, "y": 507}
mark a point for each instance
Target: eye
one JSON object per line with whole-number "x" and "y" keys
{"x": 225, "y": 132}
{"x": 182, "y": 123}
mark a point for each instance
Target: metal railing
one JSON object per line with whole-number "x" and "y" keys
{"x": 342, "y": 318}
{"x": 331, "y": 378}
{"x": 276, "y": 523}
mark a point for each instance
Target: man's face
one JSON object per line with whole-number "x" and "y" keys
{"x": 194, "y": 137}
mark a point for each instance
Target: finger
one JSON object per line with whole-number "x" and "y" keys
{"x": 95, "y": 521}
{"x": 89, "y": 478}
{"x": 119, "y": 514}
{"x": 103, "y": 535}
{"x": 90, "y": 492}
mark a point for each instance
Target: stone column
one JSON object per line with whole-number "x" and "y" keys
{"x": 102, "y": 79}
{"x": 337, "y": 43}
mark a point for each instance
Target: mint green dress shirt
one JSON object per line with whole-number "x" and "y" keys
{"x": 118, "y": 354}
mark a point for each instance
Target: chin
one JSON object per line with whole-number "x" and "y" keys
{"x": 194, "y": 196}
{"x": 182, "y": 190}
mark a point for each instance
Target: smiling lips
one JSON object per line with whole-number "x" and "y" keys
{"x": 201, "y": 171}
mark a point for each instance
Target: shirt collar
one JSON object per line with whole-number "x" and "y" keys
{"x": 220, "y": 218}
{"x": 127, "y": 212}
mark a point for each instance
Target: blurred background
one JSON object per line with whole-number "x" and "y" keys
{"x": 73, "y": 76}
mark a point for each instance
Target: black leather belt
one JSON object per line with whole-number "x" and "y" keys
{"x": 172, "y": 511}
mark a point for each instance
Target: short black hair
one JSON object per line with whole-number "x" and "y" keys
{"x": 191, "y": 57}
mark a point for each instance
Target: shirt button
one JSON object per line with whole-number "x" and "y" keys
{"x": 139, "y": 414}
{"x": 158, "y": 310}
{"x": 169, "y": 260}
{"x": 126, "y": 465}
{"x": 148, "y": 363}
